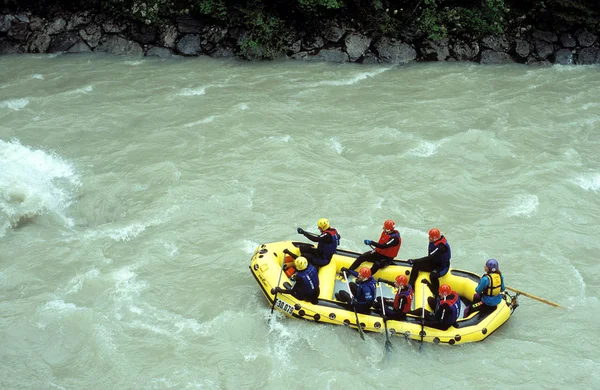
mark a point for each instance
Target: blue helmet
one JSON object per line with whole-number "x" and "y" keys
{"x": 492, "y": 265}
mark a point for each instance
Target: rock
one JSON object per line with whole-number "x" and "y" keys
{"x": 57, "y": 26}
{"x": 563, "y": 57}
{"x": 91, "y": 34}
{"x": 189, "y": 45}
{"x": 356, "y": 45}
{"x": 79, "y": 19}
{"x": 331, "y": 55}
{"x": 313, "y": 43}
{"x": 538, "y": 62}
{"x": 294, "y": 48}
{"x": 589, "y": 56}
{"x": 435, "y": 50}
{"x": 112, "y": 26}
{"x": 465, "y": 51}
{"x": 223, "y": 52}
{"x": 303, "y": 55}
{"x": 212, "y": 36}
{"x": 496, "y": 42}
{"x": 36, "y": 24}
{"x": 334, "y": 33}
{"x": 39, "y": 42}
{"x": 19, "y": 31}
{"x": 543, "y": 49}
{"x": 189, "y": 25}
{"x": 168, "y": 36}
{"x": 115, "y": 44}
{"x": 160, "y": 52}
{"x": 567, "y": 40}
{"x": 370, "y": 58}
{"x": 490, "y": 57}
{"x": 79, "y": 47}
{"x": 7, "y": 47}
{"x": 585, "y": 38}
{"x": 393, "y": 51}
{"x": 522, "y": 48}
{"x": 23, "y": 18}
{"x": 5, "y": 22}
{"x": 63, "y": 41}
{"x": 144, "y": 34}
{"x": 545, "y": 36}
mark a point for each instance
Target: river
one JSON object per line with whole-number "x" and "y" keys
{"x": 134, "y": 191}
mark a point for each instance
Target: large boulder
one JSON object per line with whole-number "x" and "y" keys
{"x": 567, "y": 40}
{"x": 370, "y": 58}
{"x": 189, "y": 45}
{"x": 496, "y": 42}
{"x": 331, "y": 55}
{"x": 19, "y": 31}
{"x": 115, "y": 44}
{"x": 334, "y": 33}
{"x": 435, "y": 50}
{"x": 223, "y": 52}
{"x": 56, "y": 26}
{"x": 168, "y": 36}
{"x": 465, "y": 51}
{"x": 356, "y": 45}
{"x": 160, "y": 52}
{"x": 543, "y": 49}
{"x": 63, "y": 42}
{"x": 312, "y": 43}
{"x": 6, "y": 23}
{"x": 294, "y": 47}
{"x": 79, "y": 19}
{"x": 7, "y": 47}
{"x": 490, "y": 57}
{"x": 545, "y": 36}
{"x": 563, "y": 57}
{"x": 112, "y": 26}
{"x": 91, "y": 34}
{"x": 79, "y": 47}
{"x": 37, "y": 23}
{"x": 585, "y": 38}
{"x": 522, "y": 48}
{"x": 39, "y": 42}
{"x": 212, "y": 36}
{"x": 589, "y": 56}
{"x": 391, "y": 50}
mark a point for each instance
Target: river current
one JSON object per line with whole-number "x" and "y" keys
{"x": 134, "y": 191}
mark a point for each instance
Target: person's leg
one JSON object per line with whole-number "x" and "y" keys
{"x": 379, "y": 262}
{"x": 423, "y": 265}
{"x": 343, "y": 296}
{"x": 360, "y": 259}
{"x": 435, "y": 282}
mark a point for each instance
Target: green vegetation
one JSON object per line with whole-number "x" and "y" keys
{"x": 269, "y": 23}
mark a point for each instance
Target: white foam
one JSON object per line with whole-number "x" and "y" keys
{"x": 82, "y": 90}
{"x": 126, "y": 286}
{"x": 249, "y": 246}
{"x": 243, "y": 106}
{"x": 523, "y": 206}
{"x": 587, "y": 106}
{"x": 201, "y": 121}
{"x": 59, "y": 306}
{"x": 336, "y": 145}
{"x": 351, "y": 81}
{"x": 279, "y": 138}
{"x": 134, "y": 63}
{"x": 192, "y": 91}
{"x": 37, "y": 76}
{"x": 589, "y": 182}
{"x": 425, "y": 149}
{"x": 14, "y": 104}
{"x": 76, "y": 284}
{"x": 34, "y": 182}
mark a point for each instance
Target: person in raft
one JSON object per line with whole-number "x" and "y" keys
{"x": 437, "y": 262}
{"x": 384, "y": 250}
{"x": 398, "y": 307}
{"x": 488, "y": 291}
{"x": 363, "y": 291}
{"x": 306, "y": 277}
{"x": 328, "y": 241}
{"x": 447, "y": 308}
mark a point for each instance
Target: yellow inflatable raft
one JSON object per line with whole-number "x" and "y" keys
{"x": 266, "y": 267}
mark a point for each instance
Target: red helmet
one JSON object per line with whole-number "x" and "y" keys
{"x": 365, "y": 272}
{"x": 445, "y": 290}
{"x": 401, "y": 280}
{"x": 389, "y": 225}
{"x": 434, "y": 234}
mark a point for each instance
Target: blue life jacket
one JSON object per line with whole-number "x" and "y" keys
{"x": 365, "y": 292}
{"x": 452, "y": 307}
{"x": 307, "y": 281}
{"x": 329, "y": 249}
{"x": 443, "y": 262}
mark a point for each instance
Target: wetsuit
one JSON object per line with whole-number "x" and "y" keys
{"x": 363, "y": 292}
{"x": 437, "y": 262}
{"x": 328, "y": 242}
{"x": 385, "y": 250}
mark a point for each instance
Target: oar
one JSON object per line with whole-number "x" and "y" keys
{"x": 276, "y": 287}
{"x": 422, "y": 334}
{"x": 360, "y": 331}
{"x": 547, "y": 302}
{"x": 388, "y": 344}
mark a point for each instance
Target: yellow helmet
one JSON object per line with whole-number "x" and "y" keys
{"x": 301, "y": 263}
{"x": 323, "y": 224}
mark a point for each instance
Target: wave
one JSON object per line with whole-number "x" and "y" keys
{"x": 33, "y": 183}
{"x": 336, "y": 145}
{"x": 14, "y": 104}
{"x": 523, "y": 206}
{"x": 425, "y": 149}
{"x": 589, "y": 182}
{"x": 200, "y": 122}
{"x": 37, "y": 76}
{"x": 351, "y": 81}
{"x": 78, "y": 91}
{"x": 192, "y": 91}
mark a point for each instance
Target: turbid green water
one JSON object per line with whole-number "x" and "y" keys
{"x": 132, "y": 194}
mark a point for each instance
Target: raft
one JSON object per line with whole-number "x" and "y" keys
{"x": 266, "y": 265}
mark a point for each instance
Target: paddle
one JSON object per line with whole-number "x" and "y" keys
{"x": 388, "y": 344}
{"x": 277, "y": 287}
{"x": 360, "y": 331}
{"x": 422, "y": 333}
{"x": 547, "y": 302}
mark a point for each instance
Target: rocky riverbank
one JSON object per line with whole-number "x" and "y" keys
{"x": 82, "y": 32}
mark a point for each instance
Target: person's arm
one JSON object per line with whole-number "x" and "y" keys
{"x": 391, "y": 242}
{"x": 503, "y": 288}
{"x": 438, "y": 251}
{"x": 483, "y": 284}
{"x": 349, "y": 271}
{"x": 324, "y": 237}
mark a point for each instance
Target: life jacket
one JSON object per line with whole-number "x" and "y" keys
{"x": 495, "y": 285}
{"x": 365, "y": 292}
{"x": 453, "y": 305}
{"x": 291, "y": 269}
{"x": 307, "y": 281}
{"x": 392, "y": 251}
{"x": 408, "y": 293}
{"x": 445, "y": 257}
{"x": 329, "y": 249}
